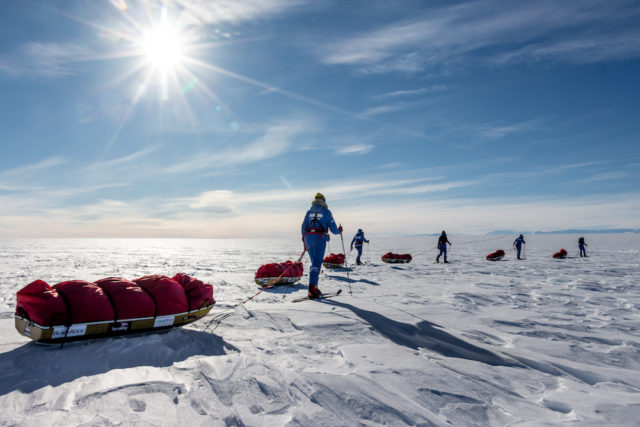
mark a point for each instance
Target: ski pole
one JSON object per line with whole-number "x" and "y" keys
{"x": 368, "y": 258}
{"x": 346, "y": 264}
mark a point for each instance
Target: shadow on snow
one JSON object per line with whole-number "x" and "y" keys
{"x": 349, "y": 280}
{"x": 426, "y": 335}
{"x": 32, "y": 366}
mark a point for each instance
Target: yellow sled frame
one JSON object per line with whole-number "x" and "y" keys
{"x": 79, "y": 331}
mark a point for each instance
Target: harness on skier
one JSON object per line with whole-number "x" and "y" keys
{"x": 314, "y": 226}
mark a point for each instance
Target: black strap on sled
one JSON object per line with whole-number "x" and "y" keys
{"x": 113, "y": 304}
{"x": 155, "y": 303}
{"x": 68, "y": 323}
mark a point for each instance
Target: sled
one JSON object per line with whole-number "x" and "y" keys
{"x": 334, "y": 261}
{"x": 496, "y": 256}
{"x": 275, "y": 274}
{"x": 76, "y": 309}
{"x": 78, "y": 331}
{"x": 391, "y": 258}
{"x": 561, "y": 254}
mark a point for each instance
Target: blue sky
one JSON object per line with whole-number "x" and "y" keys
{"x": 199, "y": 118}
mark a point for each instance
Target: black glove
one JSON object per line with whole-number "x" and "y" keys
{"x": 340, "y": 229}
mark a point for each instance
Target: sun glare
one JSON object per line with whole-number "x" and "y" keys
{"x": 162, "y": 49}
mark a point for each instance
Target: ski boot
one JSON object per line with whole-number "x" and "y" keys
{"x": 314, "y": 292}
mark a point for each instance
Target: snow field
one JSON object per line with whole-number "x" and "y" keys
{"x": 473, "y": 342}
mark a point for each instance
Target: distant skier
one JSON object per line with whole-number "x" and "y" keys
{"x": 581, "y": 245}
{"x": 442, "y": 245}
{"x": 518, "y": 244}
{"x": 358, "y": 240}
{"x": 317, "y": 223}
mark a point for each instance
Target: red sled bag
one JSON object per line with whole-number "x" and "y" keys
{"x": 282, "y": 273}
{"x": 496, "y": 256}
{"x": 77, "y": 309}
{"x": 334, "y": 261}
{"x": 169, "y": 296}
{"x": 561, "y": 254}
{"x": 199, "y": 294}
{"x": 392, "y": 258}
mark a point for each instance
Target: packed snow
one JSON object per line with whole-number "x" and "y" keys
{"x": 532, "y": 342}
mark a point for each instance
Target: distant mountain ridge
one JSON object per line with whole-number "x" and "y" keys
{"x": 570, "y": 231}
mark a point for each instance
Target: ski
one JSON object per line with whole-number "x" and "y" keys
{"x": 324, "y": 296}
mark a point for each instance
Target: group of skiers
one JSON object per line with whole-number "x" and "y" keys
{"x": 318, "y": 222}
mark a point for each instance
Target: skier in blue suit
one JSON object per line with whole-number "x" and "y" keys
{"x": 442, "y": 246}
{"x": 358, "y": 240}
{"x": 581, "y": 246}
{"x": 518, "y": 244}
{"x": 317, "y": 223}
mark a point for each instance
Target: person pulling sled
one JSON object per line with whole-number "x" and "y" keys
{"x": 581, "y": 246}
{"x": 358, "y": 241}
{"x": 317, "y": 223}
{"x": 442, "y": 245}
{"x": 517, "y": 244}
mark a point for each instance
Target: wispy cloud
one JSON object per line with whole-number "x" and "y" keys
{"x": 276, "y": 140}
{"x": 568, "y": 31}
{"x": 47, "y": 59}
{"x": 386, "y": 109}
{"x": 604, "y": 176}
{"x": 138, "y": 155}
{"x": 231, "y": 11}
{"x": 390, "y": 165}
{"x": 502, "y": 131}
{"x": 586, "y": 50}
{"x": 355, "y": 149}
{"x": 413, "y": 92}
{"x": 21, "y": 171}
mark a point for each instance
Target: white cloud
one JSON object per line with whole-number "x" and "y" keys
{"x": 111, "y": 218}
{"x": 587, "y": 31}
{"x": 219, "y": 201}
{"x": 355, "y": 149}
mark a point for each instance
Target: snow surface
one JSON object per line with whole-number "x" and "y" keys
{"x": 533, "y": 342}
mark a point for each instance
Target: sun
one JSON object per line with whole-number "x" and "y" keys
{"x": 162, "y": 47}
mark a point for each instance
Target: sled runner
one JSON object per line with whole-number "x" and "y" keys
{"x": 283, "y": 273}
{"x": 561, "y": 254}
{"x": 77, "y": 309}
{"x": 334, "y": 261}
{"x": 392, "y": 258}
{"x": 496, "y": 256}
